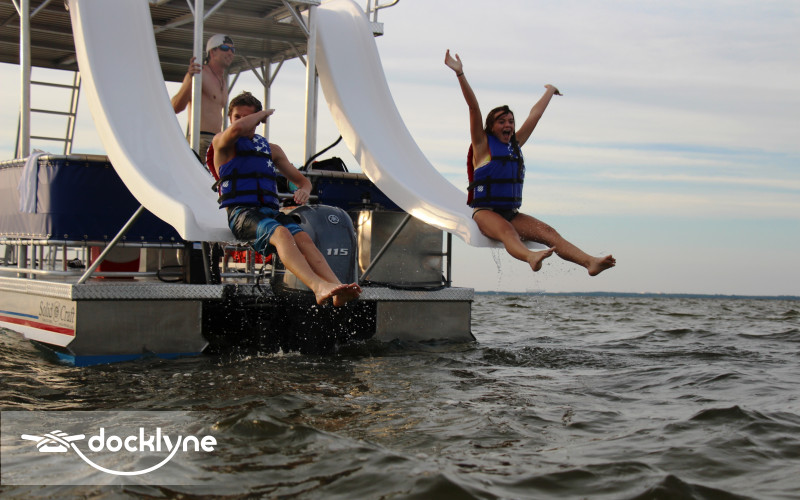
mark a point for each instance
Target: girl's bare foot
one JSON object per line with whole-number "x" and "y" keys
{"x": 600, "y": 264}
{"x": 536, "y": 258}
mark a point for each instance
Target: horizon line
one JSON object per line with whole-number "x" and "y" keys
{"x": 643, "y": 294}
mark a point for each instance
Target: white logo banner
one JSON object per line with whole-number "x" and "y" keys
{"x": 104, "y": 447}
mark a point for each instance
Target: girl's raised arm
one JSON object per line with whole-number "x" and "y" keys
{"x": 526, "y": 129}
{"x": 480, "y": 146}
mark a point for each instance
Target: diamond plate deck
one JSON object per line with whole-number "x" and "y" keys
{"x": 181, "y": 291}
{"x": 114, "y": 290}
{"x": 443, "y": 295}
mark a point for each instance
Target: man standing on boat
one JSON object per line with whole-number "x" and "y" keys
{"x": 219, "y": 56}
{"x": 248, "y": 166}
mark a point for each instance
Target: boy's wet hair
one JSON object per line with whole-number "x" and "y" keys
{"x": 245, "y": 99}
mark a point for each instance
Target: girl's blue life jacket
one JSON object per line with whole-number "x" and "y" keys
{"x": 498, "y": 184}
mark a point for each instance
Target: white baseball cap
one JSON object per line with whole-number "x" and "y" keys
{"x": 217, "y": 40}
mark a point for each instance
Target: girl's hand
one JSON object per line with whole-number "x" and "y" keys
{"x": 555, "y": 90}
{"x": 454, "y": 64}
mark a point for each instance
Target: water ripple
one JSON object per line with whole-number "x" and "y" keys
{"x": 560, "y": 397}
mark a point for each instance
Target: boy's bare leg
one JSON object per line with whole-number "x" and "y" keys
{"x": 314, "y": 257}
{"x": 295, "y": 261}
{"x": 320, "y": 266}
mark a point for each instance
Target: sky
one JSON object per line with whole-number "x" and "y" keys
{"x": 674, "y": 147}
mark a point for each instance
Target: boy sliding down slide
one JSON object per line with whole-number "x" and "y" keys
{"x": 247, "y": 166}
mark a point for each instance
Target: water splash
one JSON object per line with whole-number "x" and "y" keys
{"x": 497, "y": 257}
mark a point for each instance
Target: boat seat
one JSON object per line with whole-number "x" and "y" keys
{"x": 75, "y": 198}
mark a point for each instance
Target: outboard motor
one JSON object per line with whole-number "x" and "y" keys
{"x": 332, "y": 231}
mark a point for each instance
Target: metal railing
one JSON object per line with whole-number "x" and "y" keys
{"x": 373, "y": 6}
{"x": 65, "y": 259}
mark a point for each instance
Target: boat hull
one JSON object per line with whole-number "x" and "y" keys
{"x": 106, "y": 322}
{"x": 101, "y": 323}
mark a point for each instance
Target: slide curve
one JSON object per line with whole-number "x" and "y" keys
{"x": 120, "y": 72}
{"x": 364, "y": 111}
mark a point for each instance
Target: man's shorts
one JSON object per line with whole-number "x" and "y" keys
{"x": 506, "y": 213}
{"x": 257, "y": 224}
{"x": 205, "y": 142}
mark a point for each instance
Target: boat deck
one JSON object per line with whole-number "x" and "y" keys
{"x": 103, "y": 289}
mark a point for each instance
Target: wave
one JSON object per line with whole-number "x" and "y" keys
{"x": 548, "y": 357}
{"x": 671, "y": 487}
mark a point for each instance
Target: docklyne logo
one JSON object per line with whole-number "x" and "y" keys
{"x": 60, "y": 442}
{"x": 156, "y": 447}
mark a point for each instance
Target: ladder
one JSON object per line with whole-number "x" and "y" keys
{"x": 69, "y": 134}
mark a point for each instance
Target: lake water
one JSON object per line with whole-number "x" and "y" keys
{"x": 560, "y": 397}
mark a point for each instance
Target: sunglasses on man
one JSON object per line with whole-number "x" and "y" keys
{"x": 226, "y": 48}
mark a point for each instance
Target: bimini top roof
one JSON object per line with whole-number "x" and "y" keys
{"x": 263, "y": 31}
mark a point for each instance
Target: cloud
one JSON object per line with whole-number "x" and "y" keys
{"x": 751, "y": 182}
{"x": 673, "y": 112}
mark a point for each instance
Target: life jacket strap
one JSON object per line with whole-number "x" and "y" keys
{"x": 486, "y": 182}
{"x": 254, "y": 152}
{"x": 260, "y": 193}
{"x": 251, "y": 175}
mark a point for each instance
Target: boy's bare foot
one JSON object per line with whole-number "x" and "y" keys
{"x": 345, "y": 293}
{"x": 340, "y": 293}
{"x": 536, "y": 258}
{"x": 325, "y": 292}
{"x": 600, "y": 264}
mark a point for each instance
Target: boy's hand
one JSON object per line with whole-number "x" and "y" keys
{"x": 301, "y": 196}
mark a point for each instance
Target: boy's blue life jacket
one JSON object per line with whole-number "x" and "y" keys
{"x": 249, "y": 178}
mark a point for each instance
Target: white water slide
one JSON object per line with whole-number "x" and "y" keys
{"x": 122, "y": 78}
{"x": 120, "y": 71}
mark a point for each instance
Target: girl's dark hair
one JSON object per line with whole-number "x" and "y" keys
{"x": 494, "y": 115}
{"x": 244, "y": 99}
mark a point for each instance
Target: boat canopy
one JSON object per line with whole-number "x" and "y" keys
{"x": 335, "y": 40}
{"x": 266, "y": 34}
{"x": 264, "y": 31}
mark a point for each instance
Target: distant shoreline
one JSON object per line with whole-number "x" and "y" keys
{"x": 646, "y": 295}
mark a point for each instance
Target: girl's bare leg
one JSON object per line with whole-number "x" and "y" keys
{"x": 496, "y": 227}
{"x": 530, "y": 228}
